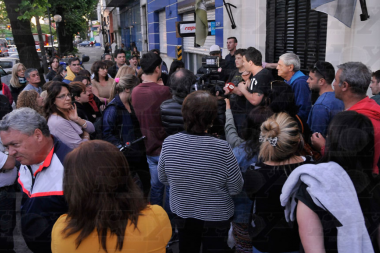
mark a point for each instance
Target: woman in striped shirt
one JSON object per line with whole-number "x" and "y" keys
{"x": 202, "y": 173}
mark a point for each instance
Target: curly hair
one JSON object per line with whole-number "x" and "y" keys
{"x": 28, "y": 98}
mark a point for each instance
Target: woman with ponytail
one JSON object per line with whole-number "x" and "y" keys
{"x": 123, "y": 71}
{"x": 281, "y": 143}
{"x": 120, "y": 126}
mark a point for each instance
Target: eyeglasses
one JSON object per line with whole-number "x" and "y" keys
{"x": 318, "y": 69}
{"x": 75, "y": 64}
{"x": 64, "y": 96}
{"x": 20, "y": 70}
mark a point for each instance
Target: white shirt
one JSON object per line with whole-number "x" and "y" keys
{"x": 7, "y": 177}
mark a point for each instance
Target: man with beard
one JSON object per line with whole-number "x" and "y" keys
{"x": 320, "y": 78}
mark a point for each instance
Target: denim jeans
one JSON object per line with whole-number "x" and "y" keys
{"x": 7, "y": 218}
{"x": 157, "y": 188}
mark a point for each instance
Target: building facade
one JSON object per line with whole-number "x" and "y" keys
{"x": 272, "y": 26}
{"x": 162, "y": 17}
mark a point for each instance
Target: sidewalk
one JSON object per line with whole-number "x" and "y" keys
{"x": 94, "y": 53}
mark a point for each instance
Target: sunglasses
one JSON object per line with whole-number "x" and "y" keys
{"x": 318, "y": 69}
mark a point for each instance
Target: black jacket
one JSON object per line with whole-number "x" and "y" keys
{"x": 220, "y": 120}
{"x": 51, "y": 75}
{"x": 171, "y": 115}
{"x": 112, "y": 71}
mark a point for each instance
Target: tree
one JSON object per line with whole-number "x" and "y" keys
{"x": 74, "y": 13}
{"x": 45, "y": 29}
{"x": 36, "y": 9}
{"x": 23, "y": 37}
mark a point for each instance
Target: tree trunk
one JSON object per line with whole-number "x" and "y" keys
{"x": 23, "y": 38}
{"x": 65, "y": 38}
{"x": 42, "y": 45}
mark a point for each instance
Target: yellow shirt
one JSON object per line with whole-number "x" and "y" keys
{"x": 152, "y": 234}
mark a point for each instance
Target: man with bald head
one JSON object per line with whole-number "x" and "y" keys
{"x": 171, "y": 109}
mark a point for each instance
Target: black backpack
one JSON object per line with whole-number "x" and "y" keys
{"x": 99, "y": 124}
{"x": 5, "y": 106}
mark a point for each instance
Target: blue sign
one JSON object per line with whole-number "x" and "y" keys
{"x": 212, "y": 28}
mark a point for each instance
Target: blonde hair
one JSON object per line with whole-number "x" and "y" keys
{"x": 44, "y": 94}
{"x": 289, "y": 138}
{"x": 28, "y": 98}
{"x": 123, "y": 71}
{"x": 14, "y": 79}
{"x": 125, "y": 82}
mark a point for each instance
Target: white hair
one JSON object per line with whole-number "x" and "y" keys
{"x": 291, "y": 58}
{"x": 26, "y": 120}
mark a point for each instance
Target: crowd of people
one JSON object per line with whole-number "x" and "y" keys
{"x": 129, "y": 158}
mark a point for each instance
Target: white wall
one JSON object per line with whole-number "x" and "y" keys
{"x": 144, "y": 21}
{"x": 360, "y": 43}
{"x": 116, "y": 25}
{"x": 250, "y": 19}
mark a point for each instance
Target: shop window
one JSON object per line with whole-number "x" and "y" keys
{"x": 293, "y": 27}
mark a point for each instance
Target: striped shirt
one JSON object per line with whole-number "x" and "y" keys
{"x": 202, "y": 173}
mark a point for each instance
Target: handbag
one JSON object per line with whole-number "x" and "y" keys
{"x": 307, "y": 149}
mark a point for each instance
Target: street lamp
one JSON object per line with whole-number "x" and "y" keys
{"x": 57, "y": 18}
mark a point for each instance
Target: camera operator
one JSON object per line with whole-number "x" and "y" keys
{"x": 222, "y": 72}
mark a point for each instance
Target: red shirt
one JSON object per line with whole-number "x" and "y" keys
{"x": 146, "y": 101}
{"x": 371, "y": 109}
{"x": 7, "y": 92}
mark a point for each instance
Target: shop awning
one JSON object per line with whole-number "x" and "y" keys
{"x": 343, "y": 10}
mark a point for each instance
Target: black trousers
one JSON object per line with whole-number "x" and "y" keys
{"x": 7, "y": 218}
{"x": 212, "y": 235}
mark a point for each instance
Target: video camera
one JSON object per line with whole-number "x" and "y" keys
{"x": 212, "y": 79}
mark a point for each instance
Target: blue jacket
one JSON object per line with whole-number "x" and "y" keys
{"x": 242, "y": 203}
{"x": 324, "y": 109}
{"x": 43, "y": 201}
{"x": 302, "y": 94}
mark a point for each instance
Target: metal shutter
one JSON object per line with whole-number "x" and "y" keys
{"x": 162, "y": 31}
{"x": 293, "y": 27}
{"x": 188, "y": 42}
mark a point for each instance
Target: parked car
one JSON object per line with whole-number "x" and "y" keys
{"x": 7, "y": 63}
{"x": 84, "y": 44}
{"x": 5, "y": 77}
{"x": 12, "y": 51}
{"x": 16, "y": 56}
{"x": 4, "y": 50}
{"x": 11, "y": 46}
